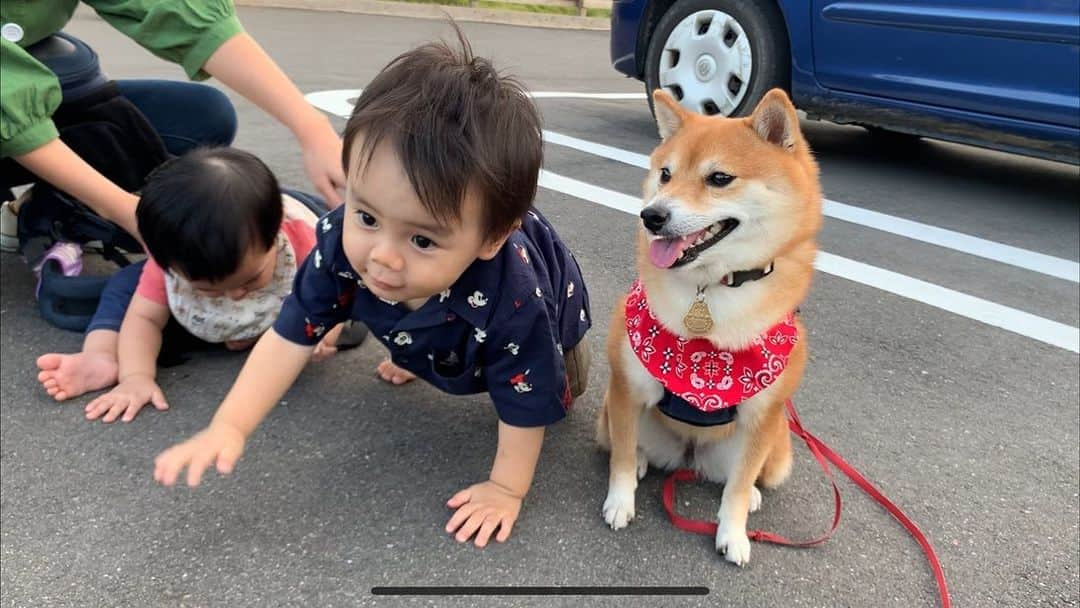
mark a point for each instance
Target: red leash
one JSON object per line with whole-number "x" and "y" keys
{"x": 824, "y": 456}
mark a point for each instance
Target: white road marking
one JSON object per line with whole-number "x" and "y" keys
{"x": 570, "y": 95}
{"x": 339, "y": 102}
{"x": 604, "y": 151}
{"x": 978, "y": 309}
{"x": 1013, "y": 320}
{"x": 985, "y": 311}
{"x": 957, "y": 241}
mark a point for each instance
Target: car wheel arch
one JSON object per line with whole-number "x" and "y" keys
{"x": 656, "y": 10}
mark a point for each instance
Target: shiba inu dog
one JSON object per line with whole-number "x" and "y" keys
{"x": 707, "y": 348}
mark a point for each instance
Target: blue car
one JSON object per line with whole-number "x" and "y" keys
{"x": 1002, "y": 74}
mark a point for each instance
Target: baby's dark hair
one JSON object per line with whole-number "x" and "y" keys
{"x": 455, "y": 124}
{"x": 199, "y": 214}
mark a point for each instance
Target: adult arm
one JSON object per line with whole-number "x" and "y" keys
{"x": 206, "y": 38}
{"x": 29, "y": 96}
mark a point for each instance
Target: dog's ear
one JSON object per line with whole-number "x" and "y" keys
{"x": 775, "y": 120}
{"x": 669, "y": 114}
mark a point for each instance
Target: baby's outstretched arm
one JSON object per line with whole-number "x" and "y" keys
{"x": 494, "y": 504}
{"x": 138, "y": 345}
{"x": 270, "y": 370}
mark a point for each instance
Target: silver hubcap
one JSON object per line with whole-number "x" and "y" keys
{"x": 706, "y": 68}
{"x": 706, "y": 63}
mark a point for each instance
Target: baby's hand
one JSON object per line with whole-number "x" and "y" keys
{"x": 220, "y": 444}
{"x": 327, "y": 347}
{"x": 127, "y": 398}
{"x": 239, "y": 345}
{"x": 480, "y": 509}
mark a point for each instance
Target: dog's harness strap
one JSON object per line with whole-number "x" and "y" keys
{"x": 824, "y": 456}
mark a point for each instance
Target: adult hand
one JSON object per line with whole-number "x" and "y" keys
{"x": 128, "y": 221}
{"x": 322, "y": 159}
{"x": 59, "y": 165}
{"x": 245, "y": 67}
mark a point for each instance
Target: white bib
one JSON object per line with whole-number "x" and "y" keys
{"x": 220, "y": 319}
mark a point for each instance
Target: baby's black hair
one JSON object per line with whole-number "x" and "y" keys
{"x": 199, "y": 214}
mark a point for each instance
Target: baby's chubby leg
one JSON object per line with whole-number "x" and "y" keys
{"x": 65, "y": 376}
{"x": 394, "y": 374}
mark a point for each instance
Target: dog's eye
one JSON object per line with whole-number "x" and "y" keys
{"x": 665, "y": 175}
{"x": 719, "y": 179}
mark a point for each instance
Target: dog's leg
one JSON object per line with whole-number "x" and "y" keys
{"x": 603, "y": 434}
{"x": 713, "y": 461}
{"x": 622, "y": 417}
{"x": 777, "y": 465}
{"x": 659, "y": 446}
{"x": 738, "y": 496}
{"x": 603, "y": 437}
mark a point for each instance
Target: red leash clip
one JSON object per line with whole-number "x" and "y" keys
{"x": 824, "y": 456}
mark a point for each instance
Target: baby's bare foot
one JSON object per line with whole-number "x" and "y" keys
{"x": 394, "y": 374}
{"x": 68, "y": 376}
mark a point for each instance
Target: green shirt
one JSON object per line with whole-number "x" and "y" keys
{"x": 186, "y": 32}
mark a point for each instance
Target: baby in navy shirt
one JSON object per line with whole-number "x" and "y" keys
{"x": 439, "y": 251}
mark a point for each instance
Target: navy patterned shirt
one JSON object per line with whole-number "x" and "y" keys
{"x": 501, "y": 328}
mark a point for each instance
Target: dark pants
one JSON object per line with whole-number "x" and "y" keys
{"x": 185, "y": 114}
{"x": 115, "y": 298}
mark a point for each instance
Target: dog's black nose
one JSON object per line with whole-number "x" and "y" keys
{"x": 655, "y": 217}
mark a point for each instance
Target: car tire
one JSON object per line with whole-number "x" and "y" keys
{"x": 740, "y": 50}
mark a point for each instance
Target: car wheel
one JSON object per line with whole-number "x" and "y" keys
{"x": 719, "y": 56}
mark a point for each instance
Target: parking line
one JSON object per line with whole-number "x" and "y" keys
{"x": 957, "y": 241}
{"x": 339, "y": 101}
{"x": 571, "y": 95}
{"x": 984, "y": 311}
{"x": 978, "y": 309}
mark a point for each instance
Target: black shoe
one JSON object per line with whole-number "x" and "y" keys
{"x": 352, "y": 335}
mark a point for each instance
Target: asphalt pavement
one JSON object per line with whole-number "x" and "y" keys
{"x": 950, "y": 379}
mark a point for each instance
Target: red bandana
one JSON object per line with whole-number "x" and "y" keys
{"x": 695, "y": 370}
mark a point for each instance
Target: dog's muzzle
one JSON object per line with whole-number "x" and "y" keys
{"x": 655, "y": 217}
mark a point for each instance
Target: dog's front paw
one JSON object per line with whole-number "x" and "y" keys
{"x": 733, "y": 545}
{"x": 755, "y": 499}
{"x": 619, "y": 507}
{"x": 642, "y": 464}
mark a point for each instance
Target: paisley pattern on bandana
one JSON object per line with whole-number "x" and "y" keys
{"x": 698, "y": 372}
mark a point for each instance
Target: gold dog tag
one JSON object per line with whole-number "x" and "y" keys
{"x": 698, "y": 320}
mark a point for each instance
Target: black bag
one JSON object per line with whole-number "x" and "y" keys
{"x": 111, "y": 135}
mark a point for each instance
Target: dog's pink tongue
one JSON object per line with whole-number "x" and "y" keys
{"x": 664, "y": 252}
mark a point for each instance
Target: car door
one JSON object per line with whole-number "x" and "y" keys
{"x": 1010, "y": 58}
